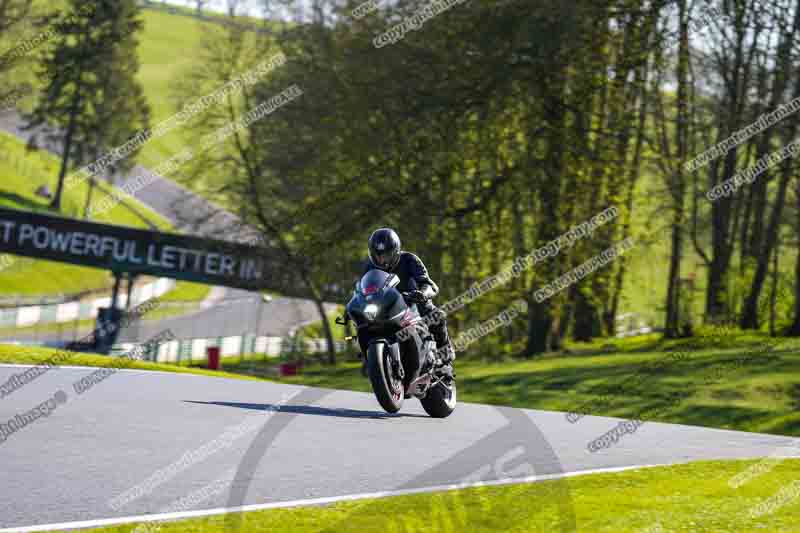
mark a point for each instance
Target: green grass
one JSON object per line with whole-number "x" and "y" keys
{"x": 185, "y": 298}
{"x": 316, "y": 331}
{"x": 168, "y": 82}
{"x": 35, "y": 355}
{"x": 169, "y": 46}
{"x": 762, "y": 395}
{"x": 81, "y": 328}
{"x": 170, "y": 50}
{"x": 186, "y": 291}
{"x": 689, "y": 498}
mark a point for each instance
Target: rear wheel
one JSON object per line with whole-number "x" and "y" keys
{"x": 440, "y": 401}
{"x": 386, "y": 384}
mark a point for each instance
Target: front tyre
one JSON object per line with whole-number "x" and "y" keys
{"x": 440, "y": 402}
{"x": 387, "y": 386}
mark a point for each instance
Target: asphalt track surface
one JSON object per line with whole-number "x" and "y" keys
{"x": 239, "y": 313}
{"x": 303, "y": 443}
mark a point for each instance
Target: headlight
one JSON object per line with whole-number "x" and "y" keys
{"x": 370, "y": 311}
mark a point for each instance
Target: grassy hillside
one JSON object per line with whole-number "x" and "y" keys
{"x": 171, "y": 50}
{"x": 21, "y": 173}
{"x": 170, "y": 45}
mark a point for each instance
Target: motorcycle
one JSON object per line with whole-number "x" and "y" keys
{"x": 398, "y": 366}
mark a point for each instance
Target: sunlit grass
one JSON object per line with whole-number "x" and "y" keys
{"x": 686, "y": 498}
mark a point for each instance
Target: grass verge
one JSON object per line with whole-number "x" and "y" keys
{"x": 690, "y": 497}
{"x": 34, "y": 355}
{"x": 315, "y": 330}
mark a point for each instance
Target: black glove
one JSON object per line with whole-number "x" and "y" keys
{"x": 414, "y": 296}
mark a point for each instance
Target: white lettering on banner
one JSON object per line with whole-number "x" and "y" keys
{"x": 155, "y": 255}
{"x": 150, "y": 253}
{"x": 77, "y": 243}
{"x": 184, "y": 256}
{"x": 133, "y": 257}
{"x": 167, "y": 257}
{"x": 41, "y": 237}
{"x": 60, "y": 241}
{"x": 227, "y": 265}
{"x": 92, "y": 243}
{"x": 8, "y": 225}
{"x": 108, "y": 242}
{"x": 211, "y": 264}
{"x": 121, "y": 250}
{"x": 25, "y": 232}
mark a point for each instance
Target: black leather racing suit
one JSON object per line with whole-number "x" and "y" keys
{"x": 414, "y": 276}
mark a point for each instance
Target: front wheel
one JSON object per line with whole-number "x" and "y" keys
{"x": 387, "y": 386}
{"x": 440, "y": 402}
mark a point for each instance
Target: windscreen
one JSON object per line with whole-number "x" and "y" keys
{"x": 373, "y": 281}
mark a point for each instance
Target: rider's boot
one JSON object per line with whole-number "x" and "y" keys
{"x": 444, "y": 364}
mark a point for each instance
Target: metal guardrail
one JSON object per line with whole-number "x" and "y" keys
{"x": 194, "y": 349}
{"x": 65, "y": 312}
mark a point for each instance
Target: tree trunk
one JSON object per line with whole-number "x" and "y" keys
{"x": 773, "y": 297}
{"x": 794, "y": 329}
{"x": 56, "y": 203}
{"x": 750, "y": 313}
{"x": 677, "y": 184}
{"x": 585, "y": 324}
{"x": 672, "y": 325}
{"x": 326, "y": 326}
{"x": 539, "y": 322}
{"x": 540, "y": 315}
{"x": 88, "y": 198}
{"x": 716, "y": 291}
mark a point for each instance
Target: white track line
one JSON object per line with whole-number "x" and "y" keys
{"x": 310, "y": 502}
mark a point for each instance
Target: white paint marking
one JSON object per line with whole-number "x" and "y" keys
{"x": 310, "y": 502}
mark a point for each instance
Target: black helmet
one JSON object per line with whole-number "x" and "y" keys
{"x": 384, "y": 249}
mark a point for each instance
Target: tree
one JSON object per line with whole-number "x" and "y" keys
{"x": 794, "y": 328}
{"x": 12, "y": 15}
{"x": 766, "y": 233}
{"x": 481, "y": 149}
{"x": 90, "y": 91}
{"x": 671, "y": 163}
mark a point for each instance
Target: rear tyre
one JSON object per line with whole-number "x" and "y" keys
{"x": 440, "y": 402}
{"x": 387, "y": 387}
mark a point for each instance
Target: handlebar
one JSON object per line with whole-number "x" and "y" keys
{"x": 343, "y": 322}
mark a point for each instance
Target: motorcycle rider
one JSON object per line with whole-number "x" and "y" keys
{"x": 415, "y": 285}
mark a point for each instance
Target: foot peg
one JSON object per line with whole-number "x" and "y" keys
{"x": 448, "y": 356}
{"x": 446, "y": 371}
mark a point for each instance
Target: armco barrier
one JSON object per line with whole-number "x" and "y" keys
{"x": 184, "y": 350}
{"x": 31, "y": 315}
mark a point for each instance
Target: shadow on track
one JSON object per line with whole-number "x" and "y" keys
{"x": 311, "y": 410}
